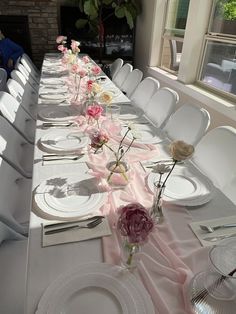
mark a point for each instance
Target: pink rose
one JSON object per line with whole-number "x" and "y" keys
{"x": 60, "y": 39}
{"x": 96, "y": 70}
{"x": 75, "y": 46}
{"x": 90, "y": 85}
{"x": 94, "y": 111}
{"x": 75, "y": 68}
{"x": 82, "y": 72}
{"x": 81, "y": 120}
{"x": 86, "y": 59}
{"x": 135, "y": 223}
{"x": 98, "y": 138}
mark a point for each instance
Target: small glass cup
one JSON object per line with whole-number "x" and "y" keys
{"x": 128, "y": 253}
{"x": 113, "y": 112}
{"x": 214, "y": 290}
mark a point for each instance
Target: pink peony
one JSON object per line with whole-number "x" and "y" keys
{"x": 94, "y": 111}
{"x": 82, "y": 72}
{"x": 98, "y": 138}
{"x": 62, "y": 48}
{"x": 135, "y": 223}
{"x": 60, "y": 39}
{"x": 86, "y": 59}
{"x": 90, "y": 85}
{"x": 75, "y": 68}
{"x": 96, "y": 70}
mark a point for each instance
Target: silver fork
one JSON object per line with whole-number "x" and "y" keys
{"x": 211, "y": 229}
{"x": 89, "y": 225}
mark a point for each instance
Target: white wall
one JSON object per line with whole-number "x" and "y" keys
{"x": 147, "y": 55}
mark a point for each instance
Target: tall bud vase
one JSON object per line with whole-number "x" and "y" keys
{"x": 156, "y": 210}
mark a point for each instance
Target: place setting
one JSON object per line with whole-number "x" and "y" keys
{"x": 113, "y": 288}
{"x": 59, "y": 114}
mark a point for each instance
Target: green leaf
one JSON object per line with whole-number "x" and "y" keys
{"x": 129, "y": 19}
{"x": 90, "y": 9}
{"x": 107, "y": 2}
{"x": 81, "y": 5}
{"x": 81, "y": 23}
{"x": 119, "y": 12}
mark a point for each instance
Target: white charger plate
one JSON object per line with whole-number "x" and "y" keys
{"x": 63, "y": 140}
{"x": 184, "y": 190}
{"x": 147, "y": 134}
{"x": 112, "y": 289}
{"x": 69, "y": 196}
{"x": 60, "y": 113}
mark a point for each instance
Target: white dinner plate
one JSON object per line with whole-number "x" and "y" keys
{"x": 61, "y": 140}
{"x": 128, "y": 113}
{"x": 69, "y": 196}
{"x": 182, "y": 189}
{"x": 96, "y": 288}
{"x": 53, "y": 97}
{"x": 147, "y": 134}
{"x": 60, "y": 113}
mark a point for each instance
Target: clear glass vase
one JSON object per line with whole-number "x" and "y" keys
{"x": 128, "y": 253}
{"x": 156, "y": 210}
{"x": 119, "y": 173}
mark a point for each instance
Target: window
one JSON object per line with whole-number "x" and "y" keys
{"x": 176, "y": 17}
{"x": 218, "y": 64}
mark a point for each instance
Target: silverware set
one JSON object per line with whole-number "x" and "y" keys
{"x": 89, "y": 223}
{"x": 57, "y": 124}
{"x": 54, "y": 157}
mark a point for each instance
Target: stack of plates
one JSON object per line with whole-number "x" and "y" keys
{"x": 69, "y": 196}
{"x": 184, "y": 188}
{"x": 96, "y": 288}
{"x": 63, "y": 140}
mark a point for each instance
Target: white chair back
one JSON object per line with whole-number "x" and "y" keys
{"x": 144, "y": 91}
{"x": 189, "y": 123}
{"x": 3, "y": 79}
{"x": 122, "y": 74}
{"x": 115, "y": 67}
{"x": 215, "y": 155}
{"x": 14, "y": 149}
{"x": 23, "y": 96}
{"x": 21, "y": 79}
{"x": 160, "y": 107}
{"x": 17, "y": 116}
{"x": 131, "y": 82}
{"x": 29, "y": 78}
{"x": 29, "y": 65}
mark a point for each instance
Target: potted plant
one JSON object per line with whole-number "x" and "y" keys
{"x": 95, "y": 17}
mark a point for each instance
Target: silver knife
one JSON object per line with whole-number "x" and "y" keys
{"x": 58, "y": 224}
{"x": 220, "y": 237}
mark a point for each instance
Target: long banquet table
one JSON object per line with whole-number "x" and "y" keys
{"x": 168, "y": 260}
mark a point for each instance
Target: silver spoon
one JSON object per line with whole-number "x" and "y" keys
{"x": 211, "y": 229}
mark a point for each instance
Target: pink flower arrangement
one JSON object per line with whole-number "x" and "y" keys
{"x": 61, "y": 39}
{"x": 94, "y": 111}
{"x": 75, "y": 46}
{"x": 98, "y": 138}
{"x": 135, "y": 223}
{"x": 86, "y": 59}
{"x": 62, "y": 48}
{"x": 75, "y": 68}
{"x": 96, "y": 70}
{"x": 82, "y": 72}
{"x": 90, "y": 86}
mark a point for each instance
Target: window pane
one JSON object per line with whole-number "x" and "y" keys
{"x": 219, "y": 67}
{"x": 177, "y": 12}
{"x": 171, "y": 54}
{"x": 224, "y": 17}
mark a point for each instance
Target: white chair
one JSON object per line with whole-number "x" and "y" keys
{"x": 189, "y": 123}
{"x": 20, "y": 78}
{"x": 122, "y": 74}
{"x": 131, "y": 82}
{"x": 23, "y": 96}
{"x": 3, "y": 79}
{"x": 29, "y": 65}
{"x": 15, "y": 195}
{"x": 143, "y": 93}
{"x": 13, "y": 267}
{"x": 215, "y": 156}
{"x": 160, "y": 107}
{"x": 15, "y": 149}
{"x": 115, "y": 67}
{"x": 29, "y": 78}
{"x": 17, "y": 116}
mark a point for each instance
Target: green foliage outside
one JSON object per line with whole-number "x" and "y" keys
{"x": 226, "y": 9}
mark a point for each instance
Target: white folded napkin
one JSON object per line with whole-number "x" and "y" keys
{"x": 75, "y": 235}
{"x": 201, "y": 234}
